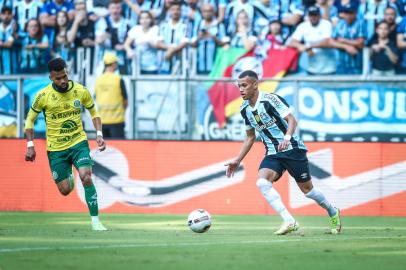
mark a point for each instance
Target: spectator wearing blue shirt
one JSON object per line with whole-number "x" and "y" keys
{"x": 349, "y": 37}
{"x": 60, "y": 45}
{"x": 155, "y": 7}
{"x": 290, "y": 13}
{"x": 384, "y": 53}
{"x": 173, "y": 38}
{"x": 208, "y": 35}
{"x": 48, "y": 13}
{"x": 328, "y": 11}
{"x": 243, "y": 37}
{"x": 401, "y": 43}
{"x": 25, "y": 10}
{"x": 343, "y": 4}
{"x": 111, "y": 33}
{"x": 34, "y": 49}
{"x": 373, "y": 12}
{"x": 7, "y": 53}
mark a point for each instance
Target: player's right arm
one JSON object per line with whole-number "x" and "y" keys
{"x": 246, "y": 147}
{"x": 29, "y": 134}
{"x": 35, "y": 109}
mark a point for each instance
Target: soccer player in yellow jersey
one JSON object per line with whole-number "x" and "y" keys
{"x": 61, "y": 101}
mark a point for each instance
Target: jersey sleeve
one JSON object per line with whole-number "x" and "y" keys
{"x": 39, "y": 102}
{"x": 88, "y": 102}
{"x": 280, "y": 105}
{"x": 246, "y": 121}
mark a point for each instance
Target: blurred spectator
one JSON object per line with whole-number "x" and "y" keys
{"x": 401, "y": 44}
{"x": 25, "y": 10}
{"x": 208, "y": 35}
{"x": 243, "y": 37}
{"x": 6, "y": 3}
{"x": 35, "y": 45}
{"x": 233, "y": 9}
{"x": 60, "y": 45}
{"x": 82, "y": 30}
{"x": 273, "y": 36}
{"x": 111, "y": 33}
{"x": 262, "y": 14}
{"x": 48, "y": 14}
{"x": 144, "y": 37}
{"x": 290, "y": 13}
{"x": 98, "y": 7}
{"x": 328, "y": 11}
{"x": 173, "y": 38}
{"x": 137, "y": 6}
{"x": 342, "y": 4}
{"x": 400, "y": 6}
{"x": 349, "y": 38}
{"x": 383, "y": 52}
{"x": 373, "y": 12}
{"x": 7, "y": 54}
{"x": 191, "y": 14}
{"x": 312, "y": 37}
{"x": 111, "y": 98}
{"x": 219, "y": 8}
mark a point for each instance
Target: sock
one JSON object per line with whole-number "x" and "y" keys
{"x": 95, "y": 219}
{"x": 91, "y": 200}
{"x": 274, "y": 199}
{"x": 317, "y": 196}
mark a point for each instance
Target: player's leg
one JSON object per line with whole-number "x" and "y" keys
{"x": 298, "y": 167}
{"x": 61, "y": 170}
{"x": 83, "y": 163}
{"x": 270, "y": 171}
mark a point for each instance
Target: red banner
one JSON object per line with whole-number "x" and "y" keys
{"x": 177, "y": 177}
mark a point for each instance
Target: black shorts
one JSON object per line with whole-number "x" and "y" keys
{"x": 294, "y": 161}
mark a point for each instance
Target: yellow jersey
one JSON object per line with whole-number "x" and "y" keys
{"x": 109, "y": 98}
{"x": 63, "y": 114}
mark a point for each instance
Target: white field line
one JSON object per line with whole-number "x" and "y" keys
{"x": 211, "y": 243}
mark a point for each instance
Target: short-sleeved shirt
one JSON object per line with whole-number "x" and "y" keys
{"x": 23, "y": 12}
{"x": 63, "y": 114}
{"x": 267, "y": 118}
{"x": 348, "y": 64}
{"x": 147, "y": 54}
{"x": 206, "y": 48}
{"x": 323, "y": 61}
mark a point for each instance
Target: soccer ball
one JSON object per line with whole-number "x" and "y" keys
{"x": 199, "y": 221}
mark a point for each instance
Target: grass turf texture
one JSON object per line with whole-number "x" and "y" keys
{"x": 65, "y": 241}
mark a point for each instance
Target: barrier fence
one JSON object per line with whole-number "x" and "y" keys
{"x": 177, "y": 177}
{"x": 178, "y": 108}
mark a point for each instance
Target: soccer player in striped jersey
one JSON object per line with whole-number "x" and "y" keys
{"x": 61, "y": 102}
{"x": 271, "y": 117}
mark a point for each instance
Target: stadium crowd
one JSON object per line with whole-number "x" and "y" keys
{"x": 330, "y": 34}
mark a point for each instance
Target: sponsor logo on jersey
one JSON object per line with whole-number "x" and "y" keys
{"x": 68, "y": 126}
{"x": 266, "y": 125}
{"x": 65, "y": 114}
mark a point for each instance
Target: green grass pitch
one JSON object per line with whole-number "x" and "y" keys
{"x": 65, "y": 241}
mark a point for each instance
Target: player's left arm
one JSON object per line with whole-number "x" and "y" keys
{"x": 292, "y": 124}
{"x": 89, "y": 104}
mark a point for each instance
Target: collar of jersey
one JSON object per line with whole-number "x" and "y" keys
{"x": 256, "y": 103}
{"x": 70, "y": 83}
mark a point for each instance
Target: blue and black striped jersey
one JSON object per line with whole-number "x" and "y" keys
{"x": 267, "y": 117}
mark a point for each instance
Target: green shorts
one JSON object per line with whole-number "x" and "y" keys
{"x": 61, "y": 161}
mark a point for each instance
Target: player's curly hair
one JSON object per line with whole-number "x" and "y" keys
{"x": 56, "y": 64}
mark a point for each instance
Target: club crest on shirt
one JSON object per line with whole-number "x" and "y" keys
{"x": 257, "y": 118}
{"x": 76, "y": 103}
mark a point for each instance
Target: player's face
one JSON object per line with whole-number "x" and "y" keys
{"x": 60, "y": 78}
{"x": 248, "y": 86}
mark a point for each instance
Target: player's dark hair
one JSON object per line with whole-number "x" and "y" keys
{"x": 56, "y": 64}
{"x": 248, "y": 73}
